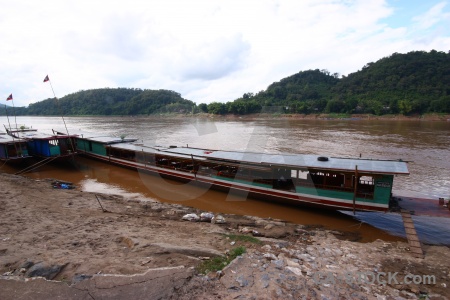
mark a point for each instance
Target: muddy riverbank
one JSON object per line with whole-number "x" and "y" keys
{"x": 75, "y": 238}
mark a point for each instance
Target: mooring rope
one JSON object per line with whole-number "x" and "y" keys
{"x": 36, "y": 165}
{"x": 4, "y": 163}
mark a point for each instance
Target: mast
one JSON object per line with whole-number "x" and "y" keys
{"x": 60, "y": 111}
{"x": 9, "y": 123}
{"x": 10, "y": 97}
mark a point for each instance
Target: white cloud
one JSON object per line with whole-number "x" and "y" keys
{"x": 433, "y": 16}
{"x": 207, "y": 50}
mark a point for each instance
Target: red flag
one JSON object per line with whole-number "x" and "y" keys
{"x": 9, "y": 98}
{"x": 46, "y": 78}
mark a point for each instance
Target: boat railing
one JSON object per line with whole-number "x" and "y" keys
{"x": 20, "y": 127}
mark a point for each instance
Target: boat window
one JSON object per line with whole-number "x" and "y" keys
{"x": 303, "y": 174}
{"x": 366, "y": 180}
{"x": 54, "y": 142}
{"x": 294, "y": 173}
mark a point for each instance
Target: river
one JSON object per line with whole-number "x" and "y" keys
{"x": 424, "y": 144}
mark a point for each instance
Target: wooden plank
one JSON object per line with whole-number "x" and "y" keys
{"x": 411, "y": 235}
{"x": 415, "y": 243}
{"x": 410, "y": 231}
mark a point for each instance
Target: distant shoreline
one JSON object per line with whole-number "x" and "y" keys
{"x": 354, "y": 117}
{"x": 350, "y": 117}
{"x": 426, "y": 117}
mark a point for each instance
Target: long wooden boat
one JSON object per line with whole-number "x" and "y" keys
{"x": 44, "y": 146}
{"x": 325, "y": 182}
{"x": 13, "y": 149}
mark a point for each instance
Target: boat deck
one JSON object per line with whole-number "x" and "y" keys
{"x": 424, "y": 207}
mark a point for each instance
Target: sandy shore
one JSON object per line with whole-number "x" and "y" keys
{"x": 67, "y": 236}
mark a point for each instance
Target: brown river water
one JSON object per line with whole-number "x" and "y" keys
{"x": 425, "y": 144}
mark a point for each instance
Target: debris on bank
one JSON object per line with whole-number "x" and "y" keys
{"x": 62, "y": 185}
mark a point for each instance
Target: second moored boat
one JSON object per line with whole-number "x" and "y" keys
{"x": 310, "y": 180}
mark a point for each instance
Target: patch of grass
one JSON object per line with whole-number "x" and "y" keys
{"x": 276, "y": 115}
{"x": 219, "y": 262}
{"x": 243, "y": 238}
{"x": 339, "y": 116}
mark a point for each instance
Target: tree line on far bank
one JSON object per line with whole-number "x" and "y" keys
{"x": 412, "y": 83}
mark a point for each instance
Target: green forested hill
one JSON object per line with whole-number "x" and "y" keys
{"x": 413, "y": 83}
{"x": 120, "y": 101}
{"x": 416, "y": 82}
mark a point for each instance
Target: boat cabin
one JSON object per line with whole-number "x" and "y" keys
{"x": 45, "y": 145}
{"x": 12, "y": 148}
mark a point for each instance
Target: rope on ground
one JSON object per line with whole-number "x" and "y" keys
{"x": 360, "y": 224}
{"x": 104, "y": 210}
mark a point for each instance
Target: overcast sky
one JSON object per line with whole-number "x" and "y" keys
{"x": 206, "y": 50}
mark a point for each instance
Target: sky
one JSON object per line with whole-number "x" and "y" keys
{"x": 206, "y": 50}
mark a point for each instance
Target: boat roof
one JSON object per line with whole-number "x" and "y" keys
{"x": 297, "y": 161}
{"x": 6, "y": 138}
{"x": 98, "y": 137}
{"x": 34, "y": 134}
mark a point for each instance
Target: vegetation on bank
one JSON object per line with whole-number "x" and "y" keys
{"x": 219, "y": 262}
{"x": 243, "y": 238}
{"x": 408, "y": 84}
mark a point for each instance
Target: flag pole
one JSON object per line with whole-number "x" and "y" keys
{"x": 10, "y": 130}
{"x": 60, "y": 111}
{"x": 14, "y": 111}
{"x": 10, "y": 97}
{"x": 9, "y": 123}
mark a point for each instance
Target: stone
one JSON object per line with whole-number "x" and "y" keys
{"x": 292, "y": 262}
{"x": 266, "y": 248}
{"x": 80, "y": 277}
{"x": 269, "y": 226}
{"x": 261, "y": 222}
{"x": 306, "y": 257}
{"x": 218, "y": 220}
{"x": 295, "y": 270}
{"x": 242, "y": 281}
{"x": 206, "y": 217}
{"x": 191, "y": 217}
{"x": 27, "y": 264}
{"x": 279, "y": 264}
{"x": 244, "y": 230}
{"x": 269, "y": 256}
{"x": 256, "y": 233}
{"x": 43, "y": 270}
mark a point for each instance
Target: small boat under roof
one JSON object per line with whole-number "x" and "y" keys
{"x": 12, "y": 149}
{"x": 311, "y": 180}
{"x": 42, "y": 145}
